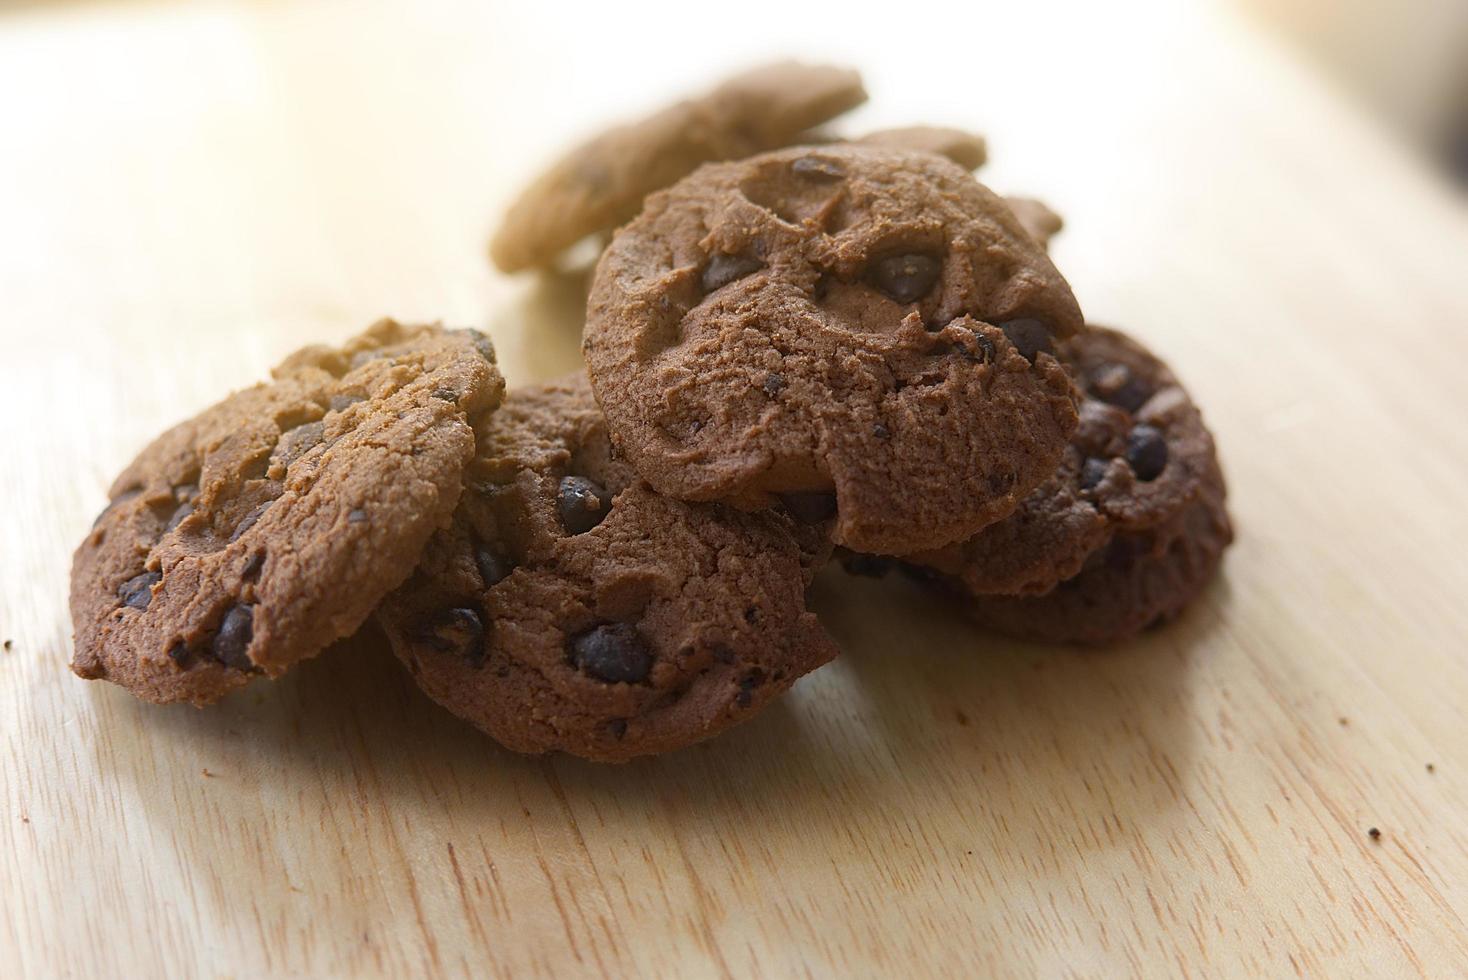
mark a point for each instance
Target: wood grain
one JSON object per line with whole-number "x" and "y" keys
{"x": 187, "y": 192}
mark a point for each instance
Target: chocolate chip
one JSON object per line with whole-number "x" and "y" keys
{"x": 340, "y": 402}
{"x": 492, "y": 563}
{"x": 881, "y": 431}
{"x": 1031, "y": 337}
{"x": 613, "y": 653}
{"x": 906, "y": 278}
{"x": 297, "y": 442}
{"x": 774, "y": 384}
{"x": 252, "y": 566}
{"x": 357, "y": 516}
{"x": 817, "y": 168}
{"x": 582, "y": 504}
{"x": 459, "y": 631}
{"x": 1116, "y": 385}
{"x": 747, "y": 684}
{"x": 724, "y": 268}
{"x": 249, "y": 520}
{"x": 231, "y": 644}
{"x": 137, "y": 591}
{"x": 983, "y": 351}
{"x": 446, "y": 395}
{"x": 122, "y": 498}
{"x": 1146, "y": 451}
{"x": 617, "y": 727}
{"x": 810, "y": 508}
{"x": 179, "y": 654}
{"x": 1093, "y": 471}
{"x": 183, "y": 511}
{"x": 482, "y": 344}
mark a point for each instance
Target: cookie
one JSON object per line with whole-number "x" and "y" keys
{"x": 968, "y": 150}
{"x": 602, "y": 183}
{"x": 572, "y": 608}
{"x": 270, "y": 525}
{"x": 1036, "y": 218}
{"x": 1134, "y": 514}
{"x": 867, "y": 332}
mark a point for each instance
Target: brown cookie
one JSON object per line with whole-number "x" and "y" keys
{"x": 866, "y": 328}
{"x": 270, "y": 525}
{"x": 571, "y": 607}
{"x": 966, "y": 149}
{"x": 1036, "y": 218}
{"x": 1134, "y": 513}
{"x": 602, "y": 183}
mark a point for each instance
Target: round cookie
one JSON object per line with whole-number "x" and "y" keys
{"x": 968, "y": 150}
{"x": 1140, "y": 457}
{"x": 602, "y": 183}
{"x": 270, "y": 525}
{"x": 867, "y": 329}
{"x": 571, "y": 607}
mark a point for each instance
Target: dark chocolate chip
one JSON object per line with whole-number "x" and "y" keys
{"x": 341, "y": 402}
{"x": 1146, "y": 451}
{"x": 297, "y": 442}
{"x": 1031, "y": 337}
{"x": 446, "y": 395}
{"x": 482, "y": 344}
{"x": 810, "y": 507}
{"x": 137, "y": 591}
{"x": 250, "y": 519}
{"x": 493, "y": 565}
{"x": 906, "y": 278}
{"x": 357, "y": 516}
{"x": 582, "y": 504}
{"x": 613, "y": 653}
{"x": 724, "y": 268}
{"x": 881, "y": 431}
{"x": 617, "y": 727}
{"x": 183, "y": 511}
{"x": 1093, "y": 471}
{"x": 1000, "y": 483}
{"x": 252, "y": 566}
{"x": 1116, "y": 385}
{"x": 459, "y": 631}
{"x": 817, "y": 168}
{"x": 983, "y": 350}
{"x": 179, "y": 654}
{"x": 774, "y": 384}
{"x": 132, "y": 493}
{"x": 232, "y": 643}
{"x": 747, "y": 684}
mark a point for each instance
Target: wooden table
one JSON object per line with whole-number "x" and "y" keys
{"x": 187, "y": 192}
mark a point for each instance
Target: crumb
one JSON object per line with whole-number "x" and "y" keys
{"x": 8, "y": 645}
{"x": 1374, "y": 834}
{"x": 1344, "y": 721}
{"x": 1431, "y": 767}
{"x": 24, "y": 818}
{"x": 206, "y": 772}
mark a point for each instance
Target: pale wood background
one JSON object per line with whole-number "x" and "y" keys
{"x": 189, "y": 191}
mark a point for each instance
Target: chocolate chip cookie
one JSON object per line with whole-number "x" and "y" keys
{"x": 966, "y": 149}
{"x": 865, "y": 331}
{"x": 571, "y": 607}
{"x": 271, "y": 524}
{"x": 1133, "y": 515}
{"x": 1036, "y": 218}
{"x": 602, "y": 183}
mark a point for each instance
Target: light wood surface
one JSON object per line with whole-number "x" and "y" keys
{"x": 188, "y": 192}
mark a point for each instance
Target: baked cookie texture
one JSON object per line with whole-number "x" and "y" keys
{"x": 601, "y": 183}
{"x": 868, "y": 331}
{"x": 270, "y": 525}
{"x": 968, "y": 150}
{"x": 571, "y": 607}
{"x": 1129, "y": 526}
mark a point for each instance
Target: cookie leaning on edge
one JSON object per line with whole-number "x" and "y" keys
{"x": 257, "y": 533}
{"x": 867, "y": 329}
{"x": 570, "y": 607}
{"x": 602, "y": 183}
{"x": 1128, "y": 528}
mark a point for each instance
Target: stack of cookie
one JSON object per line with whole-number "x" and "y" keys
{"x": 798, "y": 347}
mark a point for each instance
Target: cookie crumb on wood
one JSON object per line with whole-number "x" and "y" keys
{"x": 1375, "y": 834}
{"x": 1431, "y": 767}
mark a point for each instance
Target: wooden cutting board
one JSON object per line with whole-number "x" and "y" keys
{"x": 188, "y": 192}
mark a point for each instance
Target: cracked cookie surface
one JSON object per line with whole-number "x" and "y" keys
{"x": 602, "y": 182}
{"x": 860, "y": 324}
{"x": 268, "y": 526}
{"x": 571, "y": 607}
